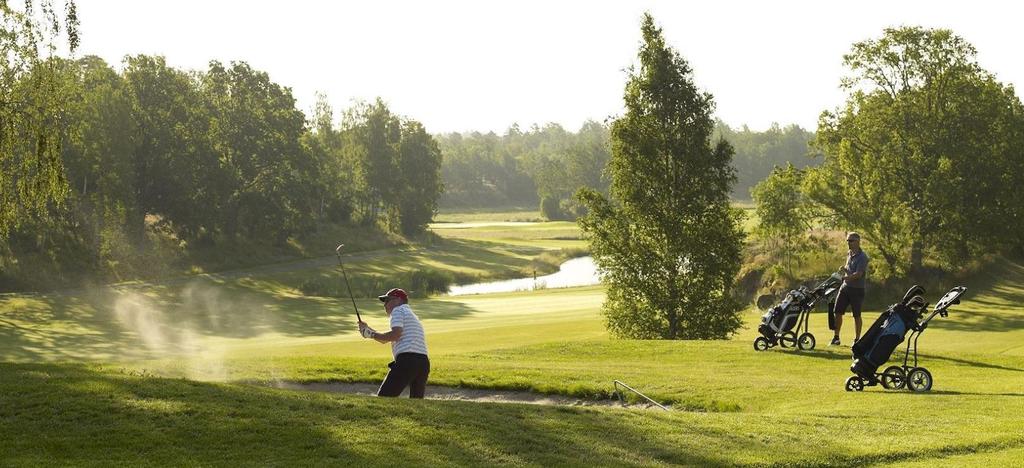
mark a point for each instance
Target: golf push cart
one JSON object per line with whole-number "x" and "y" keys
{"x": 887, "y": 333}
{"x": 780, "y": 324}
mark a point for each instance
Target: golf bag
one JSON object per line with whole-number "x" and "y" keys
{"x": 778, "y": 323}
{"x": 886, "y": 333}
{"x": 784, "y": 316}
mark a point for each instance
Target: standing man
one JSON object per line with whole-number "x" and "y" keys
{"x": 408, "y": 345}
{"x": 852, "y": 291}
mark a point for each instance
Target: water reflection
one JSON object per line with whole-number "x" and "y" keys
{"x": 576, "y": 272}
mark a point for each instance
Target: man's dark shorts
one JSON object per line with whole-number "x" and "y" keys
{"x": 408, "y": 370}
{"x": 852, "y": 297}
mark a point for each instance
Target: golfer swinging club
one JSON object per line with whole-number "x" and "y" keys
{"x": 408, "y": 345}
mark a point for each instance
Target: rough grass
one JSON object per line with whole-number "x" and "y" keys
{"x": 508, "y": 214}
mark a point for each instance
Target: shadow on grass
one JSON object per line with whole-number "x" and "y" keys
{"x": 80, "y": 415}
{"x": 998, "y": 288}
{"x": 162, "y": 322}
{"x": 117, "y": 419}
{"x": 923, "y": 358}
{"x": 952, "y": 392}
{"x": 465, "y": 254}
{"x": 897, "y": 358}
{"x": 822, "y": 354}
{"x": 172, "y": 317}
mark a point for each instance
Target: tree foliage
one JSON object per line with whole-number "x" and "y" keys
{"x": 667, "y": 241}
{"x": 524, "y": 167}
{"x": 396, "y": 168}
{"x": 784, "y": 212}
{"x": 255, "y": 131}
{"x": 202, "y": 158}
{"x": 32, "y": 103}
{"x": 925, "y": 156}
{"x": 178, "y": 176}
{"x": 759, "y": 153}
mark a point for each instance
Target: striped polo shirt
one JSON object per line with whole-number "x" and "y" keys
{"x": 413, "y": 340}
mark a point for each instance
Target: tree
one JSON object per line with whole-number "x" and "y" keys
{"x": 255, "y": 131}
{"x": 420, "y": 183}
{"x": 99, "y": 148}
{"x": 784, "y": 211}
{"x": 917, "y": 158}
{"x": 178, "y": 176}
{"x": 551, "y": 209}
{"x": 588, "y": 157}
{"x": 371, "y": 137}
{"x": 32, "y": 98}
{"x": 333, "y": 179}
{"x": 395, "y": 166}
{"x": 667, "y": 241}
{"x": 758, "y": 153}
{"x": 524, "y": 167}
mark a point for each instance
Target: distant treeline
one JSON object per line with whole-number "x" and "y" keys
{"x": 757, "y": 153}
{"x": 211, "y": 158}
{"x": 523, "y": 168}
{"x": 546, "y": 165}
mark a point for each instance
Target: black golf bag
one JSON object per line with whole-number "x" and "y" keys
{"x": 886, "y": 333}
{"x": 784, "y": 316}
{"x": 781, "y": 323}
{"x": 877, "y": 345}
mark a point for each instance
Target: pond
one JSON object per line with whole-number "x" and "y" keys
{"x": 579, "y": 271}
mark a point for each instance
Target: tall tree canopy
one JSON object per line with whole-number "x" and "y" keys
{"x": 667, "y": 240}
{"x": 395, "y": 168}
{"x": 925, "y": 157}
{"x": 255, "y": 131}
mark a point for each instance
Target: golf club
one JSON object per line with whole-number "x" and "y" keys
{"x": 337, "y": 252}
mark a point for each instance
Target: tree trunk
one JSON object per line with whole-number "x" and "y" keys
{"x": 673, "y": 310}
{"x": 135, "y": 226}
{"x": 916, "y": 255}
{"x": 673, "y": 323}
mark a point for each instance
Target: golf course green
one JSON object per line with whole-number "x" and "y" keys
{"x": 183, "y": 372}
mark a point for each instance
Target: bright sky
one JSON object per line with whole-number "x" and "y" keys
{"x": 483, "y": 65}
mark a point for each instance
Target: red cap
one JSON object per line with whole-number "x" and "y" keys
{"x": 394, "y": 292}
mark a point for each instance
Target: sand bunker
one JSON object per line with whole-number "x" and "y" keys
{"x": 436, "y": 392}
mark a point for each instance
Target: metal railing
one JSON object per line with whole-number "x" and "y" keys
{"x": 622, "y": 398}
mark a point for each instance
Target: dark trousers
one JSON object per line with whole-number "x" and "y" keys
{"x": 407, "y": 370}
{"x": 849, "y": 297}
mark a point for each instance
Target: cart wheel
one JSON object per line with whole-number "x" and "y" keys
{"x": 787, "y": 340}
{"x": 919, "y": 380}
{"x": 761, "y": 344}
{"x": 806, "y": 342}
{"x": 893, "y": 378}
{"x": 854, "y": 384}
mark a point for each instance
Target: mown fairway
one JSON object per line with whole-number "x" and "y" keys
{"x": 93, "y": 377}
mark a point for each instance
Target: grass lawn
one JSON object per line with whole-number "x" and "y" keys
{"x": 151, "y": 375}
{"x": 509, "y": 214}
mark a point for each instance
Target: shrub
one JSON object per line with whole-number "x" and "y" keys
{"x": 551, "y": 209}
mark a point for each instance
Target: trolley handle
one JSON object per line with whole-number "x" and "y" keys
{"x": 942, "y": 307}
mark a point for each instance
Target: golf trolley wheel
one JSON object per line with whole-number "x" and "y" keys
{"x": 894, "y": 378}
{"x": 919, "y": 380}
{"x": 761, "y": 344}
{"x": 854, "y": 384}
{"x": 806, "y": 342}
{"x": 787, "y": 340}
